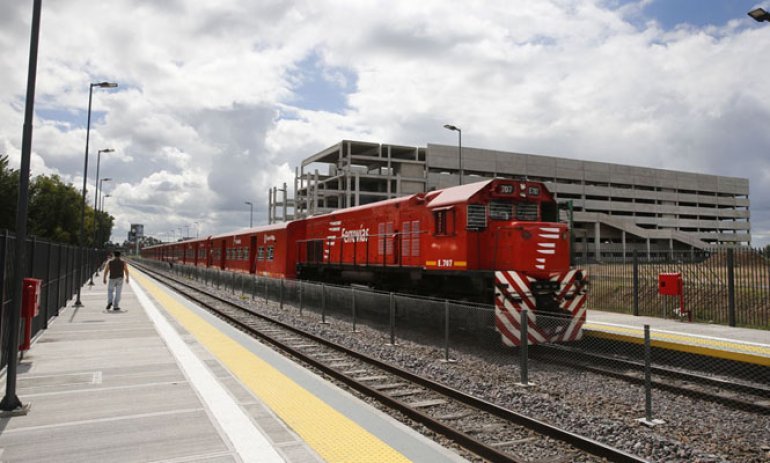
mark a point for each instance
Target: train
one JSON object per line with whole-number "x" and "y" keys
{"x": 498, "y": 240}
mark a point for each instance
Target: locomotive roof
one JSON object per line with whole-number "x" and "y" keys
{"x": 455, "y": 194}
{"x": 247, "y": 231}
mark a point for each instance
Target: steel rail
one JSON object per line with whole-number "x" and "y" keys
{"x": 567, "y": 356}
{"x": 580, "y": 442}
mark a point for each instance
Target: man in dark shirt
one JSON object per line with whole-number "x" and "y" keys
{"x": 116, "y": 269}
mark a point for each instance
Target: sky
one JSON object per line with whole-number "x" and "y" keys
{"x": 219, "y": 100}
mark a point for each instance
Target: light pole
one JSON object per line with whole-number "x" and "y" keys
{"x": 101, "y": 202}
{"x": 98, "y": 186}
{"x": 759, "y": 15}
{"x": 459, "y": 148}
{"x": 85, "y": 177}
{"x": 196, "y": 230}
{"x": 96, "y": 201}
{"x": 11, "y": 402}
{"x": 251, "y": 213}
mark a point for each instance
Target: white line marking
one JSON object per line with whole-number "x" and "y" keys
{"x": 248, "y": 441}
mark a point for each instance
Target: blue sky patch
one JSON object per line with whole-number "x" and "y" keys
{"x": 697, "y": 13}
{"x": 322, "y": 88}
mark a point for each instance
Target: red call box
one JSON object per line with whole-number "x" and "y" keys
{"x": 670, "y": 284}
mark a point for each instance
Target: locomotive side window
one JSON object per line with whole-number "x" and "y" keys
{"x": 415, "y": 238}
{"x": 270, "y": 253}
{"x": 477, "y": 217}
{"x": 444, "y": 221}
{"x": 549, "y": 212}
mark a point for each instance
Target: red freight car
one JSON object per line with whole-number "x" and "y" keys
{"x": 494, "y": 240}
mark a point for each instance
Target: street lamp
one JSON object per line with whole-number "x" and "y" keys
{"x": 85, "y": 177}
{"x": 96, "y": 198}
{"x": 251, "y": 213}
{"x": 759, "y": 15}
{"x": 101, "y": 187}
{"x": 103, "y": 199}
{"x": 459, "y": 147}
{"x": 196, "y": 230}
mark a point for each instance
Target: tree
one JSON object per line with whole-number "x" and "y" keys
{"x": 9, "y": 193}
{"x": 54, "y": 210}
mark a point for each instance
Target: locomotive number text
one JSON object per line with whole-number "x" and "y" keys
{"x": 446, "y": 263}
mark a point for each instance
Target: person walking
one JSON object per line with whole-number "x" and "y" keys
{"x": 116, "y": 269}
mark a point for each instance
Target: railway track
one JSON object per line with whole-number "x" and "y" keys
{"x": 735, "y": 394}
{"x": 491, "y": 432}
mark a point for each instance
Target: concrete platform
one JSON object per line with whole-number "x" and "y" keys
{"x": 152, "y": 383}
{"x": 742, "y": 344}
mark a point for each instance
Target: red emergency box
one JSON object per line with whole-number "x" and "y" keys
{"x": 30, "y": 307}
{"x": 670, "y": 284}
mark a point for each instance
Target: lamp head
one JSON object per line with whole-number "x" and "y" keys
{"x": 107, "y": 150}
{"x": 759, "y": 15}
{"x": 451, "y": 127}
{"x": 105, "y": 84}
{"x": 106, "y": 179}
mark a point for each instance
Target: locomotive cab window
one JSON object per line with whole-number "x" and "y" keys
{"x": 549, "y": 212}
{"x": 270, "y": 253}
{"x": 444, "y": 221}
{"x": 477, "y": 217}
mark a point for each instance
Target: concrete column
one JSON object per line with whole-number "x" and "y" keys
{"x": 285, "y": 201}
{"x": 348, "y": 192}
{"x": 623, "y": 237}
{"x": 648, "y": 249}
{"x": 597, "y": 240}
{"x": 358, "y": 189}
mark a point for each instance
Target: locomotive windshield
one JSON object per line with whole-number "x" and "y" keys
{"x": 506, "y": 210}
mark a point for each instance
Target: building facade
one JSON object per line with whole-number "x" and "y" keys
{"x": 628, "y": 207}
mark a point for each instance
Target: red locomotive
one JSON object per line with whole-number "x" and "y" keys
{"x": 498, "y": 239}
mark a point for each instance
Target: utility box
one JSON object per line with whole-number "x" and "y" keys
{"x": 30, "y": 308}
{"x": 670, "y": 284}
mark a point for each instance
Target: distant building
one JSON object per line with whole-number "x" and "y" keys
{"x": 631, "y": 207}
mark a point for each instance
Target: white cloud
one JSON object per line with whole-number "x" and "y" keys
{"x": 204, "y": 117}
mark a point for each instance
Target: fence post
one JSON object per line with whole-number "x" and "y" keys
{"x": 392, "y": 320}
{"x": 300, "y": 298}
{"x": 647, "y": 420}
{"x": 323, "y": 304}
{"x": 731, "y": 286}
{"x": 446, "y": 332}
{"x": 353, "y": 304}
{"x": 636, "y": 282}
{"x": 524, "y": 349}
{"x": 48, "y": 284}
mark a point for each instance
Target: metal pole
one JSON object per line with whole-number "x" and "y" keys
{"x": 281, "y": 294}
{"x": 647, "y": 375}
{"x": 353, "y": 304}
{"x": 392, "y": 320}
{"x": 731, "y": 287}
{"x": 300, "y": 298}
{"x": 636, "y": 282}
{"x": 323, "y": 303}
{"x": 11, "y": 402}
{"x": 83, "y": 200}
{"x": 523, "y": 348}
{"x": 446, "y": 330}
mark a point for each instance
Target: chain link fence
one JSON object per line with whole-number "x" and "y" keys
{"x": 727, "y": 286}
{"x": 444, "y": 332}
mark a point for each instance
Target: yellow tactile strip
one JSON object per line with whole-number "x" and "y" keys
{"x": 750, "y": 353}
{"x": 335, "y": 437}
